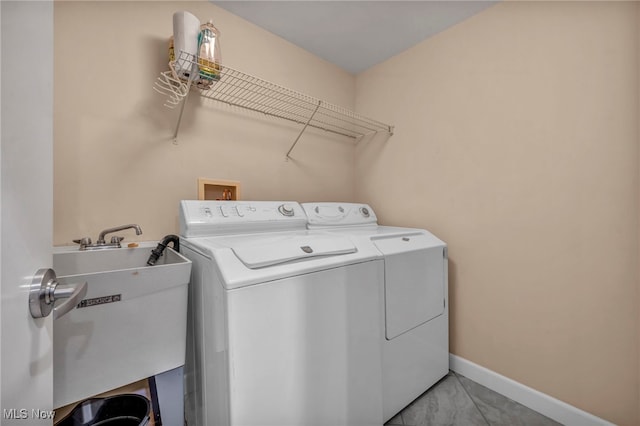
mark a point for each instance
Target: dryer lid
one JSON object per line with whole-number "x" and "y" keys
{"x": 295, "y": 248}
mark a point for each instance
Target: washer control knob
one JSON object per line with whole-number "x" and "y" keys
{"x": 286, "y": 210}
{"x": 364, "y": 211}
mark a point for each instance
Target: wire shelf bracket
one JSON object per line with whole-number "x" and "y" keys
{"x": 303, "y": 129}
{"x": 245, "y": 91}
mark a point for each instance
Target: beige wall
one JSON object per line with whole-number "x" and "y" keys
{"x": 517, "y": 143}
{"x": 113, "y": 156}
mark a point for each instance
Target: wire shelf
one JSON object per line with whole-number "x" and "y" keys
{"x": 242, "y": 90}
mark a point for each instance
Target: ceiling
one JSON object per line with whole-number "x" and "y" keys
{"x": 355, "y": 35}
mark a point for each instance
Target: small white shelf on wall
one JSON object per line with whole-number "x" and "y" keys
{"x": 242, "y": 90}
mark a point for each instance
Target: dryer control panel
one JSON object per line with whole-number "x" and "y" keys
{"x": 200, "y": 218}
{"x": 339, "y": 214}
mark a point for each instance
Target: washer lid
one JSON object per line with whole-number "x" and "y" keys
{"x": 299, "y": 247}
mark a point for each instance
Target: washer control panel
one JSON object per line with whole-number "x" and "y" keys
{"x": 339, "y": 214}
{"x": 200, "y": 218}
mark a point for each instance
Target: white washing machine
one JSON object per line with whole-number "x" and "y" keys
{"x": 415, "y": 341}
{"x": 284, "y": 326}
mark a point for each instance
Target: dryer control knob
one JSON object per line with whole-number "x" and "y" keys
{"x": 364, "y": 211}
{"x": 286, "y": 210}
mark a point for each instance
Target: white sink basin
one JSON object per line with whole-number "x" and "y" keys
{"x": 131, "y": 324}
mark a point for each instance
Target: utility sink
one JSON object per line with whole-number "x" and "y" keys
{"x": 131, "y": 324}
{"x": 71, "y": 261}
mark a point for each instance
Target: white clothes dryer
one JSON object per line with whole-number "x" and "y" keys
{"x": 284, "y": 323}
{"x": 415, "y": 306}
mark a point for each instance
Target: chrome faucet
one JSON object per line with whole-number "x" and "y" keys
{"x": 116, "y": 229}
{"x": 85, "y": 243}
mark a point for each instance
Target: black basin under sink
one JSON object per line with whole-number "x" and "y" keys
{"x": 119, "y": 410}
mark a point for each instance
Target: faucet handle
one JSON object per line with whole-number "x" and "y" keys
{"x": 84, "y": 241}
{"x": 116, "y": 240}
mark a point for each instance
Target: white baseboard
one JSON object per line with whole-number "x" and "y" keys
{"x": 544, "y": 404}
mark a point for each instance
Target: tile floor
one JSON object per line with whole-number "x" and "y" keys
{"x": 458, "y": 401}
